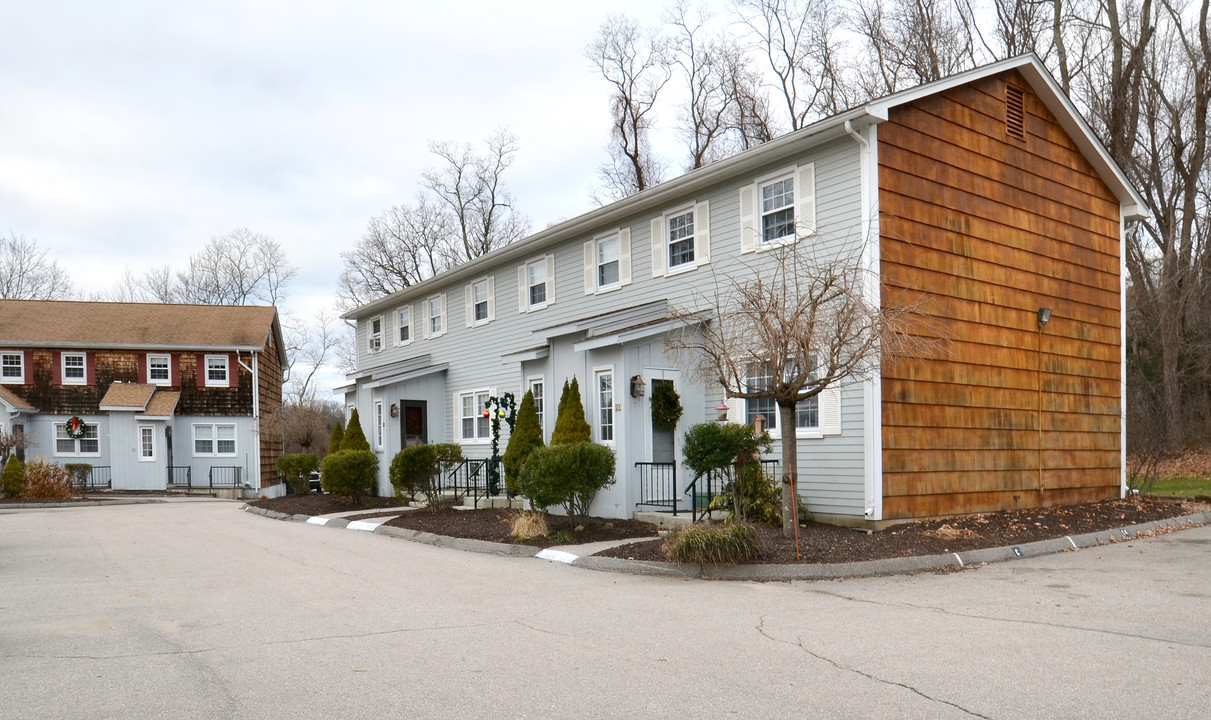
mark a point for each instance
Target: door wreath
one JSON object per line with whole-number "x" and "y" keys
{"x": 666, "y": 406}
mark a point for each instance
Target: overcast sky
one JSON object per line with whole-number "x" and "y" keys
{"x": 133, "y": 131}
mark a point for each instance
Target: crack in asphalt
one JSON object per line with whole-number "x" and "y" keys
{"x": 1017, "y": 621}
{"x": 271, "y": 643}
{"x": 800, "y": 644}
{"x": 540, "y": 630}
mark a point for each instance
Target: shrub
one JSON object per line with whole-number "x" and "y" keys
{"x": 751, "y": 494}
{"x": 335, "y": 439}
{"x": 79, "y": 474}
{"x": 46, "y": 481}
{"x": 567, "y": 474}
{"x": 354, "y": 438}
{"x": 733, "y": 450}
{"x": 349, "y": 473}
{"x": 525, "y": 438}
{"x": 13, "y": 477}
{"x": 727, "y": 543}
{"x": 419, "y": 469}
{"x": 524, "y": 525}
{"x": 295, "y": 469}
{"x": 570, "y": 425}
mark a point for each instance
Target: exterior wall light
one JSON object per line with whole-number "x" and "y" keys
{"x": 1044, "y": 317}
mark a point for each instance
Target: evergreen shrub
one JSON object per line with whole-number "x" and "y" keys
{"x": 349, "y": 473}
{"x": 525, "y": 438}
{"x": 295, "y": 469}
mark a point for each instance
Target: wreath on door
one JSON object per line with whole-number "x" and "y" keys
{"x": 666, "y": 406}
{"x": 75, "y": 427}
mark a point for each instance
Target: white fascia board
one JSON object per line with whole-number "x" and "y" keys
{"x": 526, "y": 355}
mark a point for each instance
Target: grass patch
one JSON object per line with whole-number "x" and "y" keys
{"x": 526, "y": 524}
{"x": 727, "y": 543}
{"x": 1182, "y": 486}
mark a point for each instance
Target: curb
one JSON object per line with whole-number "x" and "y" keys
{"x": 80, "y": 503}
{"x": 763, "y": 573}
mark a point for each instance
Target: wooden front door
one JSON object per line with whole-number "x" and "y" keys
{"x": 414, "y": 429}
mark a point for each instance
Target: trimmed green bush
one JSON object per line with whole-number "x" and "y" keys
{"x": 335, "y": 440}
{"x": 355, "y": 438}
{"x": 295, "y": 469}
{"x": 726, "y": 543}
{"x": 79, "y": 474}
{"x": 13, "y": 477}
{"x": 349, "y": 473}
{"x": 525, "y": 438}
{"x": 733, "y": 450}
{"x": 571, "y": 426}
{"x": 419, "y": 469}
{"x": 569, "y": 475}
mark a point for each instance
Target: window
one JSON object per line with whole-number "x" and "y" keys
{"x": 607, "y": 262}
{"x": 214, "y": 440}
{"x": 536, "y": 284}
{"x": 807, "y": 412}
{"x": 12, "y": 367}
{"x": 73, "y": 369}
{"x": 159, "y": 369}
{"x": 778, "y": 209}
{"x": 375, "y": 339}
{"x": 147, "y": 443}
{"x": 88, "y": 444}
{"x": 681, "y": 239}
{"x": 537, "y": 385}
{"x": 435, "y": 316}
{"x": 379, "y": 424}
{"x": 480, "y": 302}
{"x": 403, "y": 324}
{"x": 474, "y": 424}
{"x": 605, "y": 405}
{"x": 216, "y": 371}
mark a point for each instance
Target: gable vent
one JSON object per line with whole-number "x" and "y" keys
{"x": 1015, "y": 112}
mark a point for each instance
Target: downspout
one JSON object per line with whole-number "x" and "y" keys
{"x": 256, "y": 415}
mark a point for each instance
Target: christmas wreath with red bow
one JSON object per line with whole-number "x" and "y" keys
{"x": 75, "y": 427}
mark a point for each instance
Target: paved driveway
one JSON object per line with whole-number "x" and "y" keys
{"x": 199, "y": 610}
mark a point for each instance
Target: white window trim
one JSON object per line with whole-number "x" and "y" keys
{"x": 20, "y": 380}
{"x": 226, "y": 381}
{"x": 828, "y": 416}
{"x": 458, "y": 415}
{"x": 701, "y": 237}
{"x": 489, "y": 282}
{"x": 380, "y": 422}
{"x": 399, "y": 324}
{"x": 54, "y": 438}
{"x": 523, "y": 284}
{"x": 167, "y": 357}
{"x": 63, "y": 356}
{"x": 614, "y": 411}
{"x": 542, "y": 421}
{"x": 214, "y": 439}
{"x": 142, "y": 429}
{"x": 429, "y": 334}
{"x": 374, "y": 340}
{"x": 624, "y": 262}
{"x": 804, "y": 203}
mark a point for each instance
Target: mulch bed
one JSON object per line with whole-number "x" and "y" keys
{"x": 819, "y": 543}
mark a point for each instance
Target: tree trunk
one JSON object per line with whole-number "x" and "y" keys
{"x": 790, "y": 461}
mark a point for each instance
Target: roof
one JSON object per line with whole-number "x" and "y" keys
{"x": 9, "y": 398}
{"x": 163, "y": 403}
{"x": 127, "y": 396}
{"x": 873, "y": 112}
{"x": 65, "y": 323}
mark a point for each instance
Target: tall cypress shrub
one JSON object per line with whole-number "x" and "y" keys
{"x": 335, "y": 440}
{"x": 355, "y": 438}
{"x": 571, "y": 426}
{"x": 526, "y": 437}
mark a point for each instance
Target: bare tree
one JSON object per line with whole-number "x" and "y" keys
{"x": 912, "y": 42}
{"x": 26, "y": 273}
{"x": 703, "y": 62}
{"x": 401, "y": 247}
{"x": 750, "y": 119}
{"x": 11, "y": 442}
{"x": 637, "y": 65}
{"x": 310, "y": 347}
{"x": 239, "y": 268}
{"x": 801, "y": 321}
{"x": 307, "y": 425}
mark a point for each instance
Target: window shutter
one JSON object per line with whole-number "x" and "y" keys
{"x": 199, "y": 365}
{"x": 551, "y": 279}
{"x": 702, "y": 233}
{"x": 624, "y": 256}
{"x": 90, "y": 368}
{"x": 469, "y": 304}
{"x": 805, "y": 193}
{"x": 174, "y": 370}
{"x": 830, "y": 411}
{"x": 458, "y": 419}
{"x": 141, "y": 372}
{"x": 523, "y": 289}
{"x": 56, "y": 372}
{"x": 233, "y": 371}
{"x": 445, "y": 306}
{"x": 735, "y": 410}
{"x": 748, "y": 220}
{"x": 491, "y": 298}
{"x": 658, "y": 247}
{"x": 425, "y": 320}
{"x": 590, "y": 269}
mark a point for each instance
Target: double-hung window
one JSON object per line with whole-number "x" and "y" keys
{"x": 159, "y": 369}
{"x": 375, "y": 338}
{"x": 474, "y": 425}
{"x": 214, "y": 440}
{"x": 73, "y": 368}
{"x": 778, "y": 209}
{"x": 480, "y": 302}
{"x": 807, "y": 412}
{"x": 607, "y": 262}
{"x": 403, "y": 324}
{"x": 12, "y": 367}
{"x": 216, "y": 371}
{"x": 87, "y": 444}
{"x": 536, "y": 284}
{"x": 605, "y": 405}
{"x": 435, "y": 316}
{"x": 681, "y": 239}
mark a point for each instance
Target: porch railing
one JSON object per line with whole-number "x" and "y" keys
{"x": 657, "y": 484}
{"x": 703, "y": 488}
{"x": 180, "y": 476}
{"x": 225, "y": 476}
{"x": 472, "y": 478}
{"x": 99, "y": 477}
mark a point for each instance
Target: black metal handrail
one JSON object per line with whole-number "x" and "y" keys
{"x": 702, "y": 495}
{"x": 180, "y": 475}
{"x": 228, "y": 476}
{"x": 471, "y": 478}
{"x": 657, "y": 484}
{"x": 99, "y": 476}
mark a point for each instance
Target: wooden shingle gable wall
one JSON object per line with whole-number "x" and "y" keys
{"x": 987, "y": 228}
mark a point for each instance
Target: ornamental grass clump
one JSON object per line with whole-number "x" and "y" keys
{"x": 526, "y": 524}
{"x": 46, "y": 481}
{"x": 728, "y": 543}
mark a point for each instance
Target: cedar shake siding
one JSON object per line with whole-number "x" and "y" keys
{"x": 986, "y": 228}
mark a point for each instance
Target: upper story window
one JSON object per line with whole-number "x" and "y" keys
{"x": 159, "y": 369}
{"x": 403, "y": 324}
{"x": 374, "y": 341}
{"x": 607, "y": 261}
{"x": 12, "y": 367}
{"x": 216, "y": 371}
{"x": 536, "y": 284}
{"x": 435, "y": 316}
{"x": 778, "y": 209}
{"x": 73, "y": 368}
{"x": 480, "y": 302}
{"x": 681, "y": 240}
